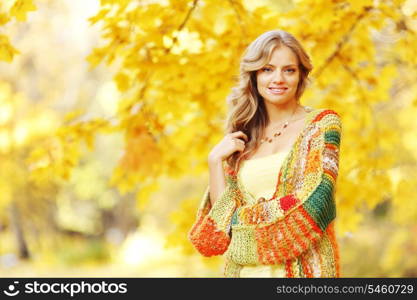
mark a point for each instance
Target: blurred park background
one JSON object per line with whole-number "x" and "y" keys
{"x": 108, "y": 110}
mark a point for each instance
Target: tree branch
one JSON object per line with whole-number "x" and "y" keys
{"x": 343, "y": 41}
{"x": 239, "y": 18}
{"x": 366, "y": 104}
{"x": 184, "y": 22}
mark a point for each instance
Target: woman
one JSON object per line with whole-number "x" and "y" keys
{"x": 269, "y": 207}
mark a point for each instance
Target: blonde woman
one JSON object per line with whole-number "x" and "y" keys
{"x": 269, "y": 207}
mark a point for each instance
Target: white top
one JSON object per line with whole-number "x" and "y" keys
{"x": 259, "y": 176}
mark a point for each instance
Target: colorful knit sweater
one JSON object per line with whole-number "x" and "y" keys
{"x": 296, "y": 226}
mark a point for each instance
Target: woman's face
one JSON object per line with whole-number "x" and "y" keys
{"x": 277, "y": 81}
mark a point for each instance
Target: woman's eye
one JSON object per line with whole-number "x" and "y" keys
{"x": 269, "y": 69}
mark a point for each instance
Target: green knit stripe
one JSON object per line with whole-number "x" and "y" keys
{"x": 222, "y": 210}
{"x": 235, "y": 219}
{"x": 320, "y": 205}
{"x": 332, "y": 137}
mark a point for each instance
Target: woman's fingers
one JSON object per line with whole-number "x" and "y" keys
{"x": 239, "y": 134}
{"x": 239, "y": 144}
{"x": 239, "y": 138}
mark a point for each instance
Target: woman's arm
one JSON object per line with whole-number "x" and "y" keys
{"x": 217, "y": 182}
{"x": 228, "y": 145}
{"x": 210, "y": 234}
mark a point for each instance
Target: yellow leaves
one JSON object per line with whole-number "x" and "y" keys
{"x": 6, "y": 194}
{"x": 376, "y": 194}
{"x": 51, "y": 159}
{"x": 403, "y": 200}
{"x": 409, "y": 125}
{"x": 394, "y": 252}
{"x": 142, "y": 153}
{"x": 58, "y": 154}
{"x": 99, "y": 16}
{"x": 7, "y": 51}
{"x": 405, "y": 49}
{"x": 4, "y": 18}
{"x": 6, "y": 113}
{"x": 358, "y": 6}
{"x": 86, "y": 130}
{"x": 72, "y": 115}
{"x": 410, "y": 9}
{"x": 179, "y": 5}
{"x": 384, "y": 84}
{"x": 399, "y": 3}
{"x": 390, "y": 9}
{"x": 87, "y": 182}
{"x": 263, "y": 12}
{"x": 97, "y": 56}
{"x": 18, "y": 127}
{"x": 20, "y": 9}
{"x": 123, "y": 81}
{"x": 348, "y": 220}
{"x": 146, "y": 189}
{"x": 183, "y": 219}
{"x": 187, "y": 41}
{"x": 119, "y": 179}
{"x": 167, "y": 41}
{"x": 13, "y": 174}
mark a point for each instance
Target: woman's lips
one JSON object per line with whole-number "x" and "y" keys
{"x": 277, "y": 91}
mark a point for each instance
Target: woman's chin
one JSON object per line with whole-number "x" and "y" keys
{"x": 277, "y": 100}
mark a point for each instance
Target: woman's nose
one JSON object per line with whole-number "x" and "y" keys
{"x": 278, "y": 76}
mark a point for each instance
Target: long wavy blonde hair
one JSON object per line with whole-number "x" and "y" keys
{"x": 247, "y": 111}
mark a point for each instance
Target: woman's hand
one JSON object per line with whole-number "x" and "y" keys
{"x": 231, "y": 143}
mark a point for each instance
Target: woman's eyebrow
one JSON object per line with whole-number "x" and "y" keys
{"x": 290, "y": 65}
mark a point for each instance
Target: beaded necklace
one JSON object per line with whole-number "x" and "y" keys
{"x": 278, "y": 133}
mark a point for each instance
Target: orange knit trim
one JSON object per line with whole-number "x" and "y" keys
{"x": 316, "y": 249}
{"x": 313, "y": 161}
{"x": 208, "y": 240}
{"x": 294, "y": 240}
{"x": 311, "y": 222}
{"x": 196, "y": 226}
{"x": 331, "y": 146}
{"x": 263, "y": 241}
{"x": 279, "y": 179}
{"x": 288, "y": 269}
{"x": 306, "y": 267}
{"x": 323, "y": 114}
{"x": 297, "y": 237}
{"x": 287, "y": 241}
{"x": 330, "y": 173}
{"x": 283, "y": 240}
{"x": 270, "y": 249}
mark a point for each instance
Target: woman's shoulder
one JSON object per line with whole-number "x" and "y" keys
{"x": 326, "y": 116}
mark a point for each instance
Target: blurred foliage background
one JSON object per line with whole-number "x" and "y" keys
{"x": 108, "y": 110}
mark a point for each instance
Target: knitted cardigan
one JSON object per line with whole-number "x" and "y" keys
{"x": 296, "y": 226}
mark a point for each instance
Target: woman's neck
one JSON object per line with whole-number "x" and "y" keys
{"x": 281, "y": 113}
